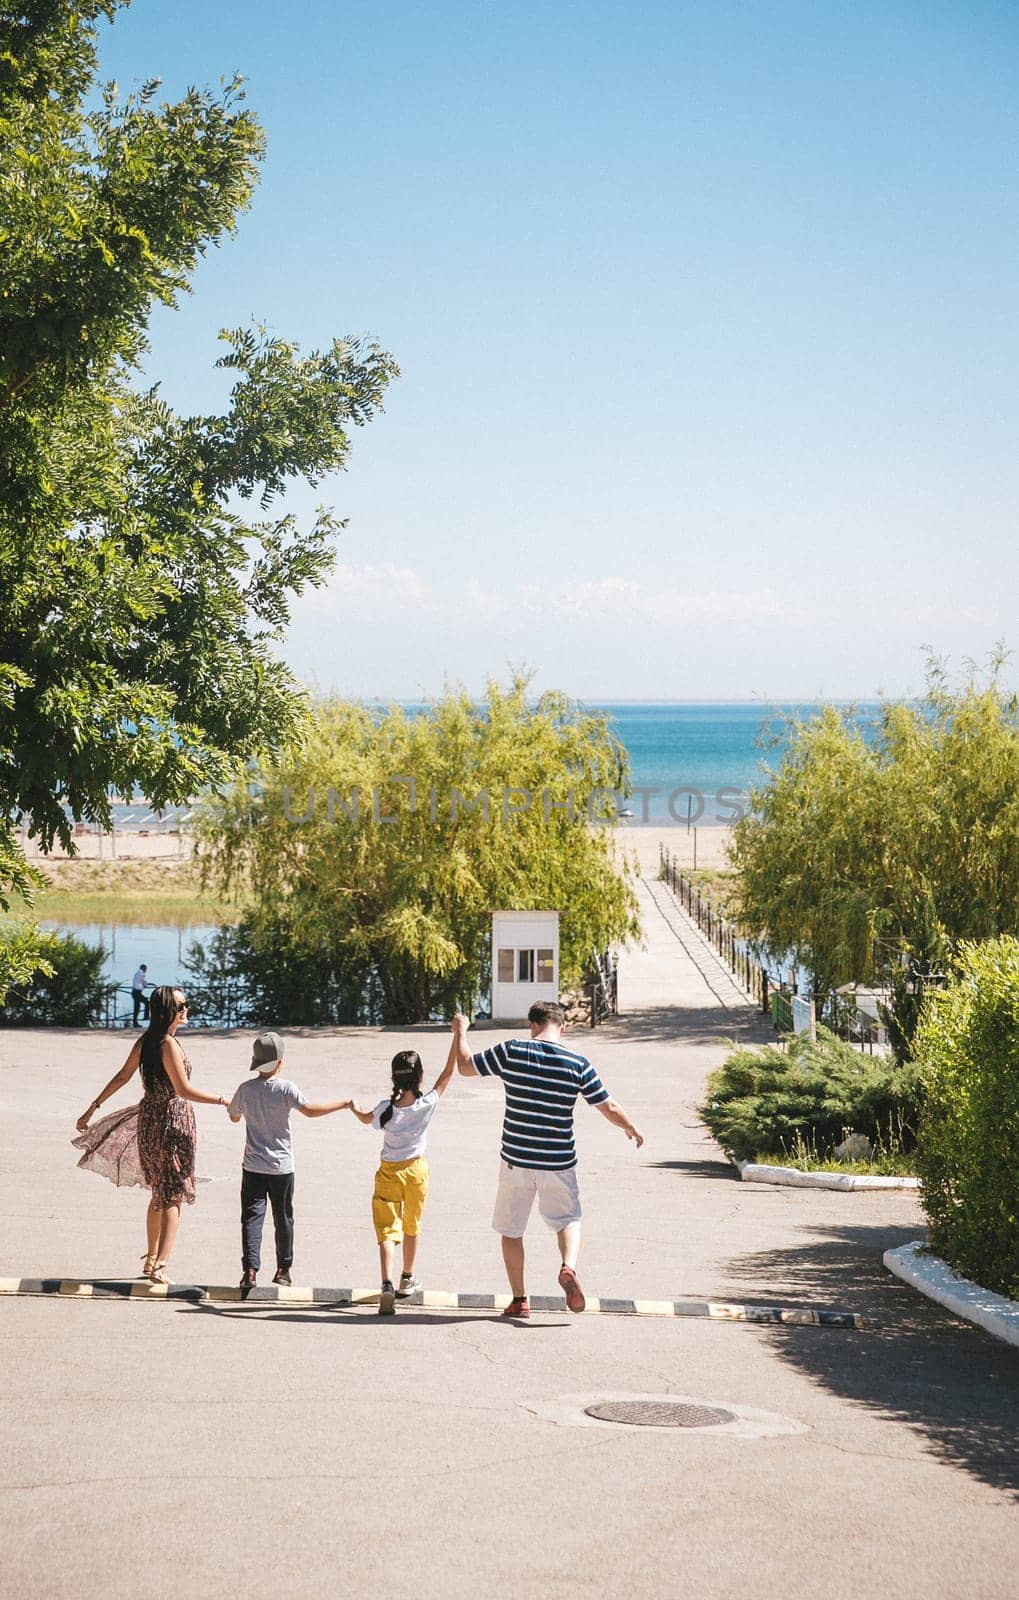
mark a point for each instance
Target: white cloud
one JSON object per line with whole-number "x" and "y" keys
{"x": 353, "y": 591}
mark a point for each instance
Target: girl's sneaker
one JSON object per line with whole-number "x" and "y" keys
{"x": 387, "y": 1300}
{"x": 408, "y": 1285}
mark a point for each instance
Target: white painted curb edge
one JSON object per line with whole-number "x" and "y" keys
{"x": 935, "y": 1278}
{"x": 792, "y": 1177}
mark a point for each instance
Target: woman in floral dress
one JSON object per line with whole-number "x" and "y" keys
{"x": 151, "y": 1144}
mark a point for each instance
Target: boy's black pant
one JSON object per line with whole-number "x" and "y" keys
{"x": 278, "y": 1189}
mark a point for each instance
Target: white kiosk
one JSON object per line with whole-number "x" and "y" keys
{"x": 525, "y": 961}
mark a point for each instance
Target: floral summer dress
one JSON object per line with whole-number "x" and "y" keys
{"x": 150, "y": 1145}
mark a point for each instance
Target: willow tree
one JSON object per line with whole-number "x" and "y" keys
{"x": 870, "y": 843}
{"x": 140, "y": 608}
{"x": 371, "y": 862}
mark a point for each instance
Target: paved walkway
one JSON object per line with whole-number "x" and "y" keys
{"x": 288, "y": 1449}
{"x": 677, "y": 966}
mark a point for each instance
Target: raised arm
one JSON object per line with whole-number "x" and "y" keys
{"x": 614, "y": 1113}
{"x": 118, "y": 1081}
{"x": 464, "y": 1063}
{"x": 442, "y": 1082}
{"x": 325, "y": 1110}
{"x": 173, "y": 1065}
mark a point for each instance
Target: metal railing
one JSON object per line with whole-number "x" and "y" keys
{"x": 603, "y": 988}
{"x": 773, "y": 995}
{"x": 222, "y": 1009}
{"x": 721, "y": 932}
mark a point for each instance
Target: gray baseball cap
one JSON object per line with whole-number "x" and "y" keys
{"x": 266, "y": 1051}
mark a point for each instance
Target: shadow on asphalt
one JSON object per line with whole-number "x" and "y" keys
{"x": 952, "y": 1384}
{"x": 685, "y": 1025}
{"x": 720, "y": 1169}
{"x": 354, "y": 1317}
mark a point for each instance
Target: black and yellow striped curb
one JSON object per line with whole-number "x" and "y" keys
{"x": 430, "y": 1299}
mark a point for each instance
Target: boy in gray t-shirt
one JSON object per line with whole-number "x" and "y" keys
{"x": 265, "y": 1103}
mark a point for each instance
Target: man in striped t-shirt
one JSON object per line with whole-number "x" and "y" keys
{"x": 542, "y": 1080}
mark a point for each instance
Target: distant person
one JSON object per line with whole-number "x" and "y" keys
{"x": 267, "y": 1173}
{"x": 152, "y": 1143}
{"x": 542, "y": 1080}
{"x": 401, "y": 1183}
{"x": 139, "y": 984}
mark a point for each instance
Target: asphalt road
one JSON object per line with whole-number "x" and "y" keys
{"x": 158, "y": 1449}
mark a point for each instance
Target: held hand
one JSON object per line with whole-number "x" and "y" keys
{"x": 460, "y": 1023}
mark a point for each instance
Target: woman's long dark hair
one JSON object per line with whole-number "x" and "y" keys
{"x": 163, "y": 1008}
{"x": 407, "y": 1074}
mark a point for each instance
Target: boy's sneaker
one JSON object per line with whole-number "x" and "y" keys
{"x": 387, "y": 1300}
{"x": 571, "y": 1288}
{"x": 520, "y": 1307}
{"x": 408, "y": 1285}
{"x": 248, "y": 1280}
{"x": 282, "y": 1275}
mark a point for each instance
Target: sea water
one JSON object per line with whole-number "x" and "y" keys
{"x": 700, "y": 761}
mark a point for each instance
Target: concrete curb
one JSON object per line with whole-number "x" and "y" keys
{"x": 793, "y": 1178}
{"x": 936, "y": 1279}
{"x": 430, "y": 1299}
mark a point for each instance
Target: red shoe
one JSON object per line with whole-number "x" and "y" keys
{"x": 520, "y": 1307}
{"x": 571, "y": 1288}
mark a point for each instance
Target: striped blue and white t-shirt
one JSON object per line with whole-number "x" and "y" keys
{"x": 542, "y": 1080}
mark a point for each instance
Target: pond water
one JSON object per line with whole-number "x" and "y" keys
{"x": 125, "y": 947}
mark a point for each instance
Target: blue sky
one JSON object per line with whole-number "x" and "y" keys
{"x": 706, "y": 315}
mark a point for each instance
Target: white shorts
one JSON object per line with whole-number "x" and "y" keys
{"x": 557, "y": 1192}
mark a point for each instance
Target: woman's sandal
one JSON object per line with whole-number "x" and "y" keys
{"x": 158, "y": 1273}
{"x": 148, "y": 1263}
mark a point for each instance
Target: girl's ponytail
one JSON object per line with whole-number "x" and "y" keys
{"x": 387, "y": 1115}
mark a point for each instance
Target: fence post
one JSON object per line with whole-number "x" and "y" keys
{"x": 764, "y": 991}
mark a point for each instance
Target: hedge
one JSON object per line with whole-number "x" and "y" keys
{"x": 967, "y": 1050}
{"x": 73, "y": 995}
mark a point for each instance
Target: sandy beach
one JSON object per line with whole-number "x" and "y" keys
{"x": 127, "y": 844}
{"x": 708, "y": 845}
{"x": 703, "y": 848}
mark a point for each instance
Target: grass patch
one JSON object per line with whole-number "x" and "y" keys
{"x": 718, "y": 886}
{"x": 142, "y": 894}
{"x": 885, "y": 1163}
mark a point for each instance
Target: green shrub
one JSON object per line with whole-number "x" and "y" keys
{"x": 967, "y": 1048}
{"x": 259, "y": 976}
{"x": 768, "y": 1100}
{"x": 71, "y": 994}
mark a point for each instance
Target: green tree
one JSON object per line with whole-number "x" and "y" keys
{"x": 139, "y": 608}
{"x": 862, "y": 849}
{"x": 922, "y": 967}
{"x": 376, "y": 856}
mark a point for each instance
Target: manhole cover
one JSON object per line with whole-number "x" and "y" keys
{"x": 659, "y": 1414}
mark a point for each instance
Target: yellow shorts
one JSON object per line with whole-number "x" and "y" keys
{"x": 401, "y": 1189}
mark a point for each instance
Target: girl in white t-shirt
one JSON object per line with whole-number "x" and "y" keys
{"x": 401, "y": 1183}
